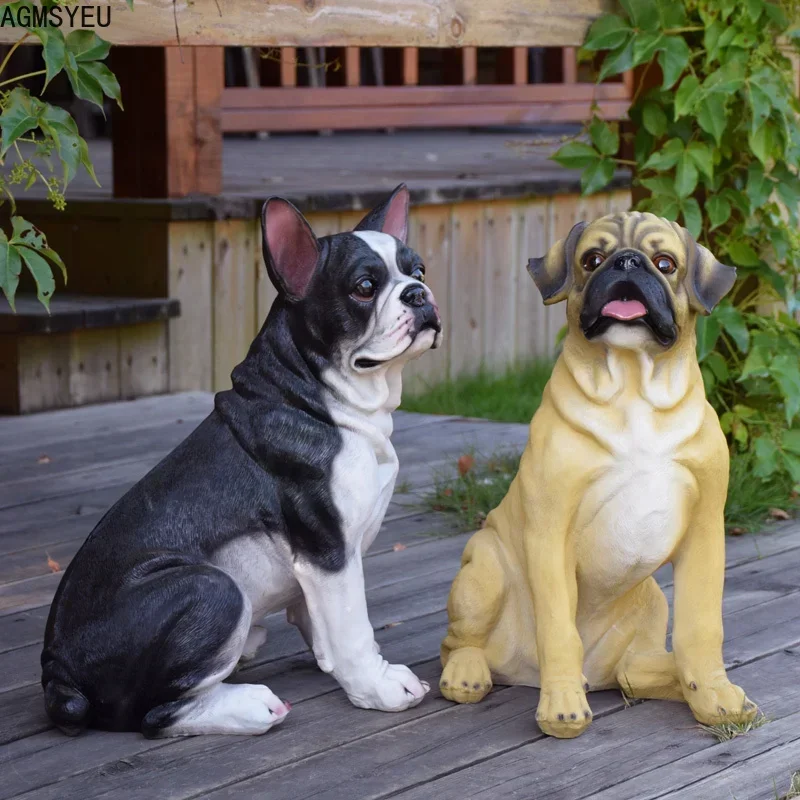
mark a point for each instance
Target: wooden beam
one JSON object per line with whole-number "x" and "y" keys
{"x": 469, "y": 66}
{"x": 357, "y": 23}
{"x": 569, "y": 65}
{"x": 288, "y": 66}
{"x": 168, "y": 140}
{"x": 352, "y": 66}
{"x": 512, "y": 66}
{"x": 410, "y": 66}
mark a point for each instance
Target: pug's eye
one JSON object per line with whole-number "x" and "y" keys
{"x": 592, "y": 260}
{"x": 665, "y": 263}
{"x": 364, "y": 289}
{"x": 418, "y": 273}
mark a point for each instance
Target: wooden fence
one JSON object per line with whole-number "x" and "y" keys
{"x": 475, "y": 254}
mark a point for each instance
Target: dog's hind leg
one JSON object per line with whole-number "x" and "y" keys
{"x": 205, "y": 634}
{"x": 474, "y": 608}
{"x": 647, "y": 670}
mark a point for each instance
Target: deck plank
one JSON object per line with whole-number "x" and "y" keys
{"x": 327, "y": 747}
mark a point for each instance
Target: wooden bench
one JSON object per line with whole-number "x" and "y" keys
{"x": 86, "y": 350}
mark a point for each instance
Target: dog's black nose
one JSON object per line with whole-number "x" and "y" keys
{"x": 414, "y": 295}
{"x": 627, "y": 262}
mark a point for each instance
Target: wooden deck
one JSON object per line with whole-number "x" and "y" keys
{"x": 60, "y": 471}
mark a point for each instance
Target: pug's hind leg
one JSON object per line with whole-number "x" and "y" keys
{"x": 474, "y": 606}
{"x": 647, "y": 670}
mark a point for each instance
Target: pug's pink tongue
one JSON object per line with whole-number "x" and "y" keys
{"x": 624, "y": 309}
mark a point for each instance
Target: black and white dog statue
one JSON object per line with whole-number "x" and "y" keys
{"x": 269, "y": 504}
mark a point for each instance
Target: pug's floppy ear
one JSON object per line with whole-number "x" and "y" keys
{"x": 707, "y": 281}
{"x": 291, "y": 250}
{"x": 390, "y": 216}
{"x": 552, "y": 273}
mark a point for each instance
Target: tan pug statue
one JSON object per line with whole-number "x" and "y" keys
{"x": 626, "y": 469}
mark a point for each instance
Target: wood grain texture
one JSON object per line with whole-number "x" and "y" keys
{"x": 298, "y": 23}
{"x": 234, "y": 296}
{"x": 143, "y": 360}
{"x": 531, "y": 314}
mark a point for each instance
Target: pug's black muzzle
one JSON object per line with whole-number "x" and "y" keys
{"x": 628, "y": 275}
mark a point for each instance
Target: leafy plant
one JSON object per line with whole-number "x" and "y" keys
{"x": 717, "y": 148}
{"x": 36, "y": 133}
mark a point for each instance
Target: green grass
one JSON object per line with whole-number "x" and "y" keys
{"x": 794, "y": 788}
{"x": 512, "y": 397}
{"x": 726, "y": 731}
{"x": 480, "y": 486}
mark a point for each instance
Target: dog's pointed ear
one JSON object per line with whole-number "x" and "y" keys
{"x": 389, "y": 217}
{"x": 291, "y": 250}
{"x": 707, "y": 281}
{"x": 552, "y": 273}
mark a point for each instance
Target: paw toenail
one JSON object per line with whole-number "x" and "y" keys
{"x": 444, "y": 683}
{"x": 573, "y": 716}
{"x": 560, "y": 717}
{"x": 487, "y": 685}
{"x": 587, "y": 714}
{"x": 476, "y": 686}
{"x": 749, "y": 706}
{"x": 586, "y": 687}
{"x": 288, "y": 705}
{"x": 693, "y": 686}
{"x": 722, "y": 711}
{"x": 465, "y": 684}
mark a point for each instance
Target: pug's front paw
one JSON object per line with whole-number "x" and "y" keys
{"x": 719, "y": 702}
{"x": 466, "y": 677}
{"x": 563, "y": 711}
{"x": 394, "y": 688}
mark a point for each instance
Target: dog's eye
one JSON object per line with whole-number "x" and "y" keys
{"x": 418, "y": 273}
{"x": 364, "y": 289}
{"x": 665, "y": 263}
{"x": 592, "y": 260}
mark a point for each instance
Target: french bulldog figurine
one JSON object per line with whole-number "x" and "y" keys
{"x": 269, "y": 504}
{"x": 626, "y": 468}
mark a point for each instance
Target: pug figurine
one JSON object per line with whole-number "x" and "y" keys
{"x": 626, "y": 469}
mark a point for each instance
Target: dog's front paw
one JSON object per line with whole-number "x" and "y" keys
{"x": 719, "y": 702}
{"x": 563, "y": 711}
{"x": 395, "y": 688}
{"x": 466, "y": 677}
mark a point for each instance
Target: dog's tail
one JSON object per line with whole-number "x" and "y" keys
{"x": 66, "y": 706}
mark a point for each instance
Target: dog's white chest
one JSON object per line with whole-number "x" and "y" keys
{"x": 364, "y": 474}
{"x": 634, "y": 514}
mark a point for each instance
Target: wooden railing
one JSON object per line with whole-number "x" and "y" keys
{"x": 459, "y": 100}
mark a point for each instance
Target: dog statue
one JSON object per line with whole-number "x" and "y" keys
{"x": 269, "y": 504}
{"x": 626, "y": 468}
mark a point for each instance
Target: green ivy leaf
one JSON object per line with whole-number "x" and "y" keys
{"x": 645, "y": 45}
{"x": 84, "y": 84}
{"x": 756, "y": 364}
{"x": 743, "y": 254}
{"x": 759, "y": 186}
{"x": 659, "y": 185}
{"x": 786, "y": 371}
{"x": 733, "y": 323}
{"x": 86, "y": 45}
{"x": 708, "y": 330}
{"x": 667, "y": 157}
{"x": 42, "y": 275}
{"x": 673, "y": 58}
{"x": 604, "y": 137}
{"x": 607, "y": 32}
{"x": 687, "y": 96}
{"x": 575, "y": 155}
{"x": 53, "y": 51}
{"x": 702, "y": 156}
{"x": 760, "y": 105}
{"x": 10, "y": 268}
{"x": 717, "y": 364}
{"x": 21, "y": 114}
{"x": 620, "y": 59}
{"x": 643, "y": 143}
{"x": 685, "y": 176}
{"x": 766, "y": 457}
{"x": 792, "y": 464}
{"x": 719, "y": 210}
{"x": 737, "y": 199}
{"x": 597, "y": 176}
{"x": 727, "y": 79}
{"x": 105, "y": 79}
{"x": 712, "y": 116}
{"x": 643, "y": 13}
{"x": 761, "y": 142}
{"x": 791, "y": 441}
{"x": 654, "y": 119}
{"x": 692, "y": 216}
